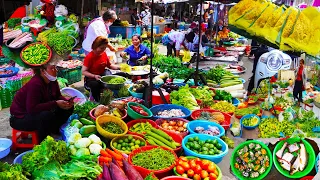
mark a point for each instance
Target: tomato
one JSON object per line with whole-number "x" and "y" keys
{"x": 205, "y": 164}
{"x": 179, "y": 169}
{"x": 182, "y": 158}
{"x": 216, "y": 172}
{"x": 197, "y": 169}
{"x": 185, "y": 166}
{"x": 180, "y": 162}
{"x": 198, "y": 160}
{"x": 193, "y": 164}
{"x": 184, "y": 175}
{"x": 204, "y": 174}
{"x": 196, "y": 177}
{"x": 192, "y": 161}
{"x": 190, "y": 173}
{"x": 212, "y": 176}
{"x": 211, "y": 168}
{"x": 207, "y": 178}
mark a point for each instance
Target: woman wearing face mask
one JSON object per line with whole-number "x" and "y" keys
{"x": 39, "y": 105}
{"x": 94, "y": 66}
{"x": 98, "y": 27}
{"x": 136, "y": 51}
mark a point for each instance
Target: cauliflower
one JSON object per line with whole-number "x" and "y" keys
{"x": 82, "y": 143}
{"x": 95, "y": 149}
{"x": 74, "y": 137}
{"x": 73, "y": 149}
{"x": 95, "y": 139}
{"x": 82, "y": 152}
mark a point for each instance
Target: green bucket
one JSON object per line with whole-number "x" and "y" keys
{"x": 135, "y": 115}
{"x": 311, "y": 158}
{"x": 237, "y": 173}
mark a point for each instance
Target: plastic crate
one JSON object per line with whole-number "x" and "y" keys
{"x": 72, "y": 75}
{"x": 6, "y": 97}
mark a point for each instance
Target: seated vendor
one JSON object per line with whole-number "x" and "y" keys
{"x": 94, "y": 66}
{"x": 39, "y": 105}
{"x": 136, "y": 51}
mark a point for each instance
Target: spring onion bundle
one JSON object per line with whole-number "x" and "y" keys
{"x": 61, "y": 42}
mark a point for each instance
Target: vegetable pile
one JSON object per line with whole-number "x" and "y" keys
{"x": 212, "y": 130}
{"x": 106, "y": 97}
{"x": 139, "y": 86}
{"x": 223, "y": 96}
{"x": 207, "y": 147}
{"x": 224, "y": 106}
{"x": 185, "y": 98}
{"x": 35, "y": 53}
{"x": 217, "y": 117}
{"x": 10, "y": 172}
{"x": 84, "y": 109}
{"x": 252, "y": 160}
{"x": 171, "y": 113}
{"x": 158, "y": 137}
{"x": 112, "y": 127}
{"x": 13, "y": 22}
{"x": 249, "y": 110}
{"x": 139, "y": 110}
{"x": 196, "y": 168}
{"x": 122, "y": 103}
{"x": 116, "y": 80}
{"x": 271, "y": 127}
{"x": 141, "y": 127}
{"x": 175, "y": 126}
{"x": 169, "y": 87}
{"x": 80, "y": 146}
{"x": 154, "y": 159}
{"x": 86, "y": 127}
{"x": 128, "y": 144}
{"x": 203, "y": 94}
{"x": 109, "y": 110}
{"x": 252, "y": 121}
{"x": 61, "y": 42}
{"x": 218, "y": 75}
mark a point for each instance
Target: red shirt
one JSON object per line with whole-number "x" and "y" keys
{"x": 35, "y": 97}
{"x": 96, "y": 64}
{"x": 299, "y": 75}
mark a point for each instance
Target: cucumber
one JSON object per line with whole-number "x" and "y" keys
{"x": 86, "y": 121}
{"x": 87, "y": 129}
{"x": 87, "y": 135}
{"x": 78, "y": 125}
{"x": 73, "y": 122}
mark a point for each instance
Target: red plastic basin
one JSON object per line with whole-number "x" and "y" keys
{"x": 227, "y": 117}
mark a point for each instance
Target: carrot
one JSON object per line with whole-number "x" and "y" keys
{"x": 104, "y": 153}
{"x": 104, "y": 159}
{"x": 120, "y": 163}
{"x": 115, "y": 155}
{"x": 118, "y": 152}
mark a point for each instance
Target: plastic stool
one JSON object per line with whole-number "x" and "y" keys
{"x": 16, "y": 134}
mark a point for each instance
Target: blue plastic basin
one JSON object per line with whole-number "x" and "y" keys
{"x": 203, "y": 123}
{"x": 5, "y": 145}
{"x": 249, "y": 116}
{"x": 162, "y": 107}
{"x": 18, "y": 159}
{"x": 134, "y": 94}
{"x": 235, "y": 102}
{"x": 203, "y": 137}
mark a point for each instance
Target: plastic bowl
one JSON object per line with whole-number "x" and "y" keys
{"x": 108, "y": 118}
{"x": 175, "y": 178}
{"x": 162, "y": 107}
{"x": 177, "y": 138}
{"x": 133, "y": 122}
{"x": 203, "y": 137}
{"x": 135, "y": 115}
{"x": 73, "y": 92}
{"x": 123, "y": 137}
{"x": 203, "y": 123}
{"x": 106, "y": 79}
{"x": 145, "y": 172}
{"x": 16, "y": 49}
{"x": 235, "y": 102}
{"x": 183, "y": 134}
{"x": 237, "y": 173}
{"x": 134, "y": 94}
{"x": 91, "y": 114}
{"x": 249, "y": 116}
{"x": 18, "y": 159}
{"x": 227, "y": 117}
{"x": 316, "y": 164}
{"x": 311, "y": 158}
{"x": 5, "y": 145}
{"x": 33, "y": 44}
{"x": 191, "y": 157}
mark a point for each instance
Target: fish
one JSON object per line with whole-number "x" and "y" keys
{"x": 280, "y": 151}
{"x": 285, "y": 164}
{"x": 293, "y": 147}
{"x": 303, "y": 157}
{"x": 295, "y": 166}
{"x": 288, "y": 157}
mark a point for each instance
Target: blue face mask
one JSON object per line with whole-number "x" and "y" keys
{"x": 50, "y": 78}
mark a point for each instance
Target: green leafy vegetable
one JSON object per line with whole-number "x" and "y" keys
{"x": 204, "y": 94}
{"x": 249, "y": 110}
{"x": 217, "y": 73}
{"x": 184, "y": 98}
{"x": 113, "y": 128}
{"x": 61, "y": 42}
{"x": 123, "y": 92}
{"x": 84, "y": 109}
{"x": 13, "y": 22}
{"x": 223, "y": 96}
{"x": 106, "y": 97}
{"x": 11, "y": 172}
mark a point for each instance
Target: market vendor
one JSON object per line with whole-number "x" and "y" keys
{"x": 298, "y": 85}
{"x": 94, "y": 66}
{"x": 136, "y": 52}
{"x": 174, "y": 40}
{"x": 47, "y": 10}
{"x": 39, "y": 105}
{"x": 224, "y": 34}
{"x": 98, "y": 27}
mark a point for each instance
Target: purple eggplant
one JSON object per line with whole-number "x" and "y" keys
{"x": 117, "y": 173}
{"x": 130, "y": 171}
{"x": 106, "y": 173}
{"x": 99, "y": 178}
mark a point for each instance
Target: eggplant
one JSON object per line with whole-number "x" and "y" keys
{"x": 106, "y": 173}
{"x": 99, "y": 178}
{"x": 130, "y": 171}
{"x": 117, "y": 173}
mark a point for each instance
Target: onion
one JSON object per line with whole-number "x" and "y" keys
{"x": 185, "y": 125}
{"x": 180, "y": 123}
{"x": 172, "y": 123}
{"x": 165, "y": 124}
{"x": 181, "y": 129}
{"x": 170, "y": 127}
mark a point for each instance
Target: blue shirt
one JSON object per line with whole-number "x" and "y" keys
{"x": 134, "y": 55}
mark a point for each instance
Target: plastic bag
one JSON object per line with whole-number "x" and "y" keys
{"x": 186, "y": 56}
{"x": 66, "y": 130}
{"x": 285, "y": 116}
{"x": 298, "y": 133}
{"x": 62, "y": 82}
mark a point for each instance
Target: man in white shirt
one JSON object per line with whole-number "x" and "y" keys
{"x": 98, "y": 27}
{"x": 146, "y": 18}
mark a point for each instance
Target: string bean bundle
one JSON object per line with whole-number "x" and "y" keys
{"x": 60, "y": 42}
{"x": 154, "y": 159}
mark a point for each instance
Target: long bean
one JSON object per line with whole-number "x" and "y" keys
{"x": 154, "y": 159}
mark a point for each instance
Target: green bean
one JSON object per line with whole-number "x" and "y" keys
{"x": 154, "y": 159}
